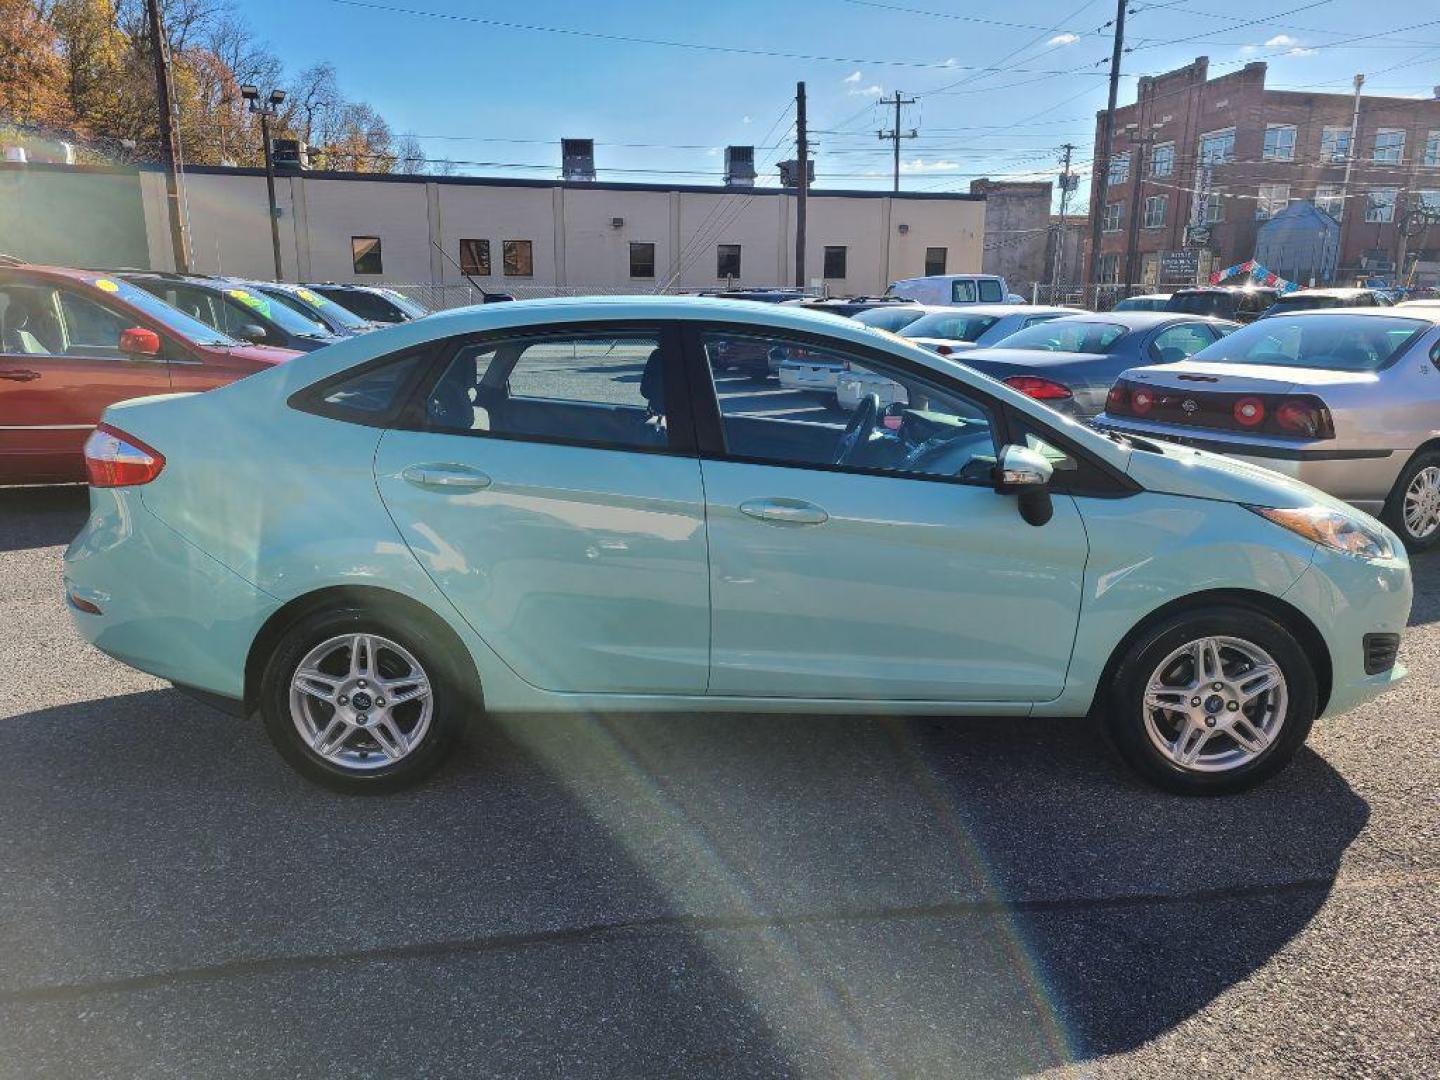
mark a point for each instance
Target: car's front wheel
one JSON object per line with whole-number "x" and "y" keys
{"x": 362, "y": 702}
{"x": 1413, "y": 508}
{"x": 1212, "y": 701}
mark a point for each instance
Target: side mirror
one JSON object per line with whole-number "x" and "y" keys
{"x": 1023, "y": 472}
{"x": 253, "y": 333}
{"x": 138, "y": 341}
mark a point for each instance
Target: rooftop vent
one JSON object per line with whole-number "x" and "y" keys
{"x": 577, "y": 159}
{"x": 740, "y": 166}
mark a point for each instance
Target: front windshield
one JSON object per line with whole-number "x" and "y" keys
{"x": 267, "y": 307}
{"x": 310, "y": 304}
{"x": 953, "y": 326}
{"x": 1199, "y": 303}
{"x": 889, "y": 318}
{"x": 1309, "y": 303}
{"x": 1067, "y": 336}
{"x": 1339, "y": 342}
{"x": 412, "y": 308}
{"x": 189, "y": 328}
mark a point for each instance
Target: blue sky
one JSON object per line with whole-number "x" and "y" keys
{"x": 465, "y": 83}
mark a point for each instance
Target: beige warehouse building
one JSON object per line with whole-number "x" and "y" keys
{"x": 525, "y": 237}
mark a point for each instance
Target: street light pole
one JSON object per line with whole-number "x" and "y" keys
{"x": 265, "y": 112}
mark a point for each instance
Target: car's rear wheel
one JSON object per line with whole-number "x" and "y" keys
{"x": 1212, "y": 701}
{"x": 1413, "y": 508}
{"x": 362, "y": 702}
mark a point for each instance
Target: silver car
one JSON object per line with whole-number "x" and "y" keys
{"x": 977, "y": 326}
{"x": 1348, "y": 401}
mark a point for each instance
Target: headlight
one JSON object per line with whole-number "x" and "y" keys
{"x": 1333, "y": 529}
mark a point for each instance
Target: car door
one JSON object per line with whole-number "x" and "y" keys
{"x": 60, "y": 366}
{"x": 897, "y": 574}
{"x": 553, "y": 495}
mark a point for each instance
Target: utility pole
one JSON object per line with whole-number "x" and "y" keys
{"x": 802, "y": 156}
{"x": 1067, "y": 184}
{"x": 165, "y": 114}
{"x": 1107, "y": 139}
{"x": 895, "y": 134}
{"x": 1347, "y": 214}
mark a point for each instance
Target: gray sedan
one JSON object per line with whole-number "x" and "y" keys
{"x": 946, "y": 330}
{"x": 1071, "y": 363}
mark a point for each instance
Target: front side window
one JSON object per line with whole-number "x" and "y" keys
{"x": 1155, "y": 211}
{"x": 1178, "y": 342}
{"x": 1326, "y": 342}
{"x": 519, "y": 258}
{"x": 365, "y": 255}
{"x": 935, "y": 261}
{"x": 1112, "y": 217}
{"x": 1334, "y": 144}
{"x": 245, "y": 307}
{"x": 1119, "y": 169}
{"x": 642, "y": 260}
{"x": 596, "y": 389}
{"x": 42, "y": 320}
{"x": 1380, "y": 205}
{"x": 1273, "y": 198}
{"x": 1279, "y": 142}
{"x": 1162, "y": 159}
{"x": 1067, "y": 336}
{"x": 835, "y": 262}
{"x": 727, "y": 261}
{"x": 1217, "y": 147}
{"x": 1390, "y": 145}
{"x": 884, "y": 420}
{"x": 475, "y": 258}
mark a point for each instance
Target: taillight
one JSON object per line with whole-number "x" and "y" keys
{"x": 1142, "y": 400}
{"x": 1249, "y": 412}
{"x": 1118, "y": 399}
{"x": 1038, "y": 388}
{"x": 1306, "y": 416}
{"x": 115, "y": 459}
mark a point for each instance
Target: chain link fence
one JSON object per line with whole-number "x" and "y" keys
{"x": 441, "y": 297}
{"x": 1091, "y": 298}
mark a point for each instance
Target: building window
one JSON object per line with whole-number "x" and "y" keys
{"x": 1162, "y": 159}
{"x": 1390, "y": 145}
{"x": 1214, "y": 209}
{"x": 1273, "y": 198}
{"x": 365, "y": 255}
{"x": 642, "y": 260}
{"x": 1109, "y": 270}
{"x": 1279, "y": 142}
{"x": 1380, "y": 205}
{"x": 1112, "y": 217}
{"x": 1331, "y": 199}
{"x": 475, "y": 258}
{"x": 1428, "y": 200}
{"x": 518, "y": 258}
{"x": 835, "y": 262}
{"x": 1217, "y": 147}
{"x": 1119, "y": 169}
{"x": 727, "y": 261}
{"x": 935, "y": 261}
{"x": 1155, "y": 211}
{"x": 1432, "y": 149}
{"x": 1334, "y": 143}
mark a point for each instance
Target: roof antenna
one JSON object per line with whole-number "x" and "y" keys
{"x": 485, "y": 297}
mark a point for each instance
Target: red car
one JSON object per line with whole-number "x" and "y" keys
{"x": 74, "y": 341}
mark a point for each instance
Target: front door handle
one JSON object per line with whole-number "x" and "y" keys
{"x": 19, "y": 375}
{"x": 453, "y": 477}
{"x": 784, "y": 511}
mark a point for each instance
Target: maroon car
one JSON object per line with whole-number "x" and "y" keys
{"x": 74, "y": 341}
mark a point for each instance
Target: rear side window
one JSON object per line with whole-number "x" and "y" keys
{"x": 372, "y": 394}
{"x": 1178, "y": 342}
{"x": 962, "y": 292}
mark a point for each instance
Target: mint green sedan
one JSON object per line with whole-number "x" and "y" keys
{"x": 574, "y": 505}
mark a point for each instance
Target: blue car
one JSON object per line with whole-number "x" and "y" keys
{"x": 237, "y": 308}
{"x": 571, "y": 505}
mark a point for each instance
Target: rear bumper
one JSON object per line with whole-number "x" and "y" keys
{"x": 166, "y": 607}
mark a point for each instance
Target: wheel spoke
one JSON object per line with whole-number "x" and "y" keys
{"x": 414, "y": 690}
{"x": 1168, "y": 698}
{"x": 362, "y": 662}
{"x": 333, "y": 737}
{"x": 317, "y": 684}
{"x": 1258, "y": 681}
{"x": 390, "y": 738}
{"x": 1207, "y": 660}
{"x": 1188, "y": 744}
{"x": 1248, "y": 734}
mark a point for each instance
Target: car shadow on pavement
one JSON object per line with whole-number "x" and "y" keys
{"x": 42, "y": 516}
{"x": 634, "y": 896}
{"x": 1425, "y": 572}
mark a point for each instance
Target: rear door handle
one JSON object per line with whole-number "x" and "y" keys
{"x": 19, "y": 375}
{"x": 784, "y": 511}
{"x": 453, "y": 477}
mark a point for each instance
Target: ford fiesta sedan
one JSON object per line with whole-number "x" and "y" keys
{"x": 570, "y": 505}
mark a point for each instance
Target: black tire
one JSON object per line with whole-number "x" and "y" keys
{"x": 1393, "y": 514}
{"x": 1125, "y": 714}
{"x": 452, "y": 694}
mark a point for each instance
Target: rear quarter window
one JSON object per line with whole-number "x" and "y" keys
{"x": 371, "y": 394}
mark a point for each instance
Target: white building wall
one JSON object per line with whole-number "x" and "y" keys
{"x": 574, "y": 243}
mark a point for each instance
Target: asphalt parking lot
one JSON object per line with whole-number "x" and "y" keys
{"x": 702, "y": 896}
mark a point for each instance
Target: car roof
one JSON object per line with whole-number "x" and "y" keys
{"x": 1300, "y": 294}
{"x": 1139, "y": 320}
{"x": 1419, "y": 311}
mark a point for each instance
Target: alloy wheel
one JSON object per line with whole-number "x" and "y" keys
{"x": 1421, "y": 509}
{"x": 361, "y": 701}
{"x": 1215, "y": 704}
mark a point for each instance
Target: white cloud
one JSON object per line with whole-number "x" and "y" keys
{"x": 1063, "y": 39}
{"x": 1300, "y": 52}
{"x": 853, "y": 77}
{"x": 747, "y": 120}
{"x": 1279, "y": 40}
{"x": 920, "y": 165}
{"x": 874, "y": 90}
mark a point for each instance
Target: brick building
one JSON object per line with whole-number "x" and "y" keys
{"x": 1017, "y": 230}
{"x": 1249, "y": 152}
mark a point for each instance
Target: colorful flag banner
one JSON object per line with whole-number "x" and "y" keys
{"x": 1259, "y": 275}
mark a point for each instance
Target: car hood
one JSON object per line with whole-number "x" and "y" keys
{"x": 260, "y": 354}
{"x": 1182, "y": 470}
{"x": 1243, "y": 378}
